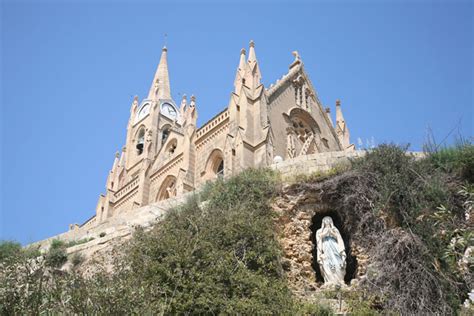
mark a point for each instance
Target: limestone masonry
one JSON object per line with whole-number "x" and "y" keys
{"x": 166, "y": 155}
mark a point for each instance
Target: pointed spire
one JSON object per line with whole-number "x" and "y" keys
{"x": 239, "y": 76}
{"x": 242, "y": 59}
{"x": 341, "y": 128}
{"x": 339, "y": 117}
{"x": 184, "y": 102}
{"x": 252, "y": 56}
{"x": 328, "y": 114}
{"x": 134, "y": 106}
{"x": 160, "y": 88}
{"x": 182, "y": 109}
{"x": 253, "y": 76}
{"x": 116, "y": 161}
{"x": 122, "y": 157}
{"x": 191, "y": 112}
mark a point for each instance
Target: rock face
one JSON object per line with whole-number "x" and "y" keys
{"x": 300, "y": 211}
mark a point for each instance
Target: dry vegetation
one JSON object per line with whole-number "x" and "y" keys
{"x": 414, "y": 219}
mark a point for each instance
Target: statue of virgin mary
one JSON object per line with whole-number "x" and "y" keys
{"x": 331, "y": 254}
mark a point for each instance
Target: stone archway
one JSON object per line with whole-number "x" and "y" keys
{"x": 167, "y": 188}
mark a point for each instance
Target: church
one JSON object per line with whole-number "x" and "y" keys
{"x": 166, "y": 154}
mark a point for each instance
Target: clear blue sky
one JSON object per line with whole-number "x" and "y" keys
{"x": 70, "y": 70}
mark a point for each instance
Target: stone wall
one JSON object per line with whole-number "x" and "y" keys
{"x": 321, "y": 162}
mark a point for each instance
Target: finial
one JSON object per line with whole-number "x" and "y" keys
{"x": 117, "y": 154}
{"x": 184, "y": 97}
{"x": 242, "y": 51}
{"x": 252, "y": 43}
{"x": 135, "y": 98}
{"x": 193, "y": 98}
{"x": 328, "y": 110}
{"x": 338, "y": 102}
{"x": 124, "y": 149}
{"x": 164, "y": 49}
{"x": 296, "y": 54}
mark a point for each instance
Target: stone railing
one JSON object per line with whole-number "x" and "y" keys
{"x": 307, "y": 164}
{"x": 127, "y": 188}
{"x": 216, "y": 120}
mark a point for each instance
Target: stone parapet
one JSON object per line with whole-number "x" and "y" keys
{"x": 320, "y": 162}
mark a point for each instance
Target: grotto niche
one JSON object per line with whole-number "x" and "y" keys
{"x": 350, "y": 260}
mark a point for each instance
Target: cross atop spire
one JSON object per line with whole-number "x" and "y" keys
{"x": 160, "y": 88}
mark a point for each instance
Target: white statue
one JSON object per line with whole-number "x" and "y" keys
{"x": 331, "y": 254}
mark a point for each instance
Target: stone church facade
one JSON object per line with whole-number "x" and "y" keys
{"x": 166, "y": 154}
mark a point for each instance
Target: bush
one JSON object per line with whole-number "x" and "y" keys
{"x": 77, "y": 259}
{"x": 9, "y": 250}
{"x": 56, "y": 257}
{"x": 219, "y": 259}
{"x": 79, "y": 242}
{"x": 423, "y": 211}
{"x": 223, "y": 258}
{"x": 458, "y": 159}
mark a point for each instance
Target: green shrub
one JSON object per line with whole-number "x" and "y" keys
{"x": 423, "y": 210}
{"x": 56, "y": 255}
{"x": 9, "y": 250}
{"x": 458, "y": 159}
{"x": 223, "y": 258}
{"x": 77, "y": 259}
{"x": 78, "y": 242}
{"x": 314, "y": 309}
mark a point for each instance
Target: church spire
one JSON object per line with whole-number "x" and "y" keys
{"x": 240, "y": 75}
{"x": 254, "y": 75}
{"x": 252, "y": 56}
{"x": 160, "y": 88}
{"x": 341, "y": 127}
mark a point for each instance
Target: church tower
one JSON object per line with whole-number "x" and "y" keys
{"x": 165, "y": 155}
{"x": 249, "y": 133}
{"x": 151, "y": 122}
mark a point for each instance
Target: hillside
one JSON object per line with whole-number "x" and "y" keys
{"x": 246, "y": 246}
